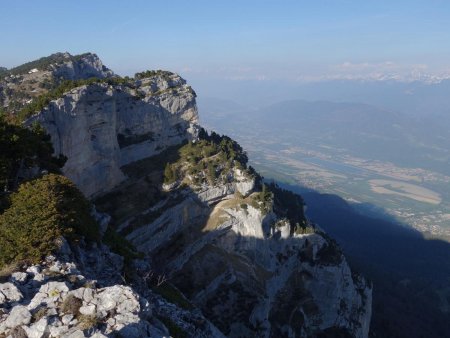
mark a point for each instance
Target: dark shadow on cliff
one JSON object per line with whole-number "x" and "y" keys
{"x": 406, "y": 269}
{"x": 243, "y": 284}
{"x": 411, "y": 274}
{"x": 141, "y": 191}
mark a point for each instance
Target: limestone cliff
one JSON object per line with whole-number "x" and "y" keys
{"x": 102, "y": 127}
{"x": 247, "y": 261}
{"x": 253, "y": 268}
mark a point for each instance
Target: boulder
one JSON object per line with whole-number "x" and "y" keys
{"x": 19, "y": 315}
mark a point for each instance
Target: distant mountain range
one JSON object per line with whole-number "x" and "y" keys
{"x": 361, "y": 129}
{"x": 416, "y": 98}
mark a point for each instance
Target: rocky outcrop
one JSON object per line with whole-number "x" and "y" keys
{"x": 238, "y": 262}
{"x": 55, "y": 299}
{"x": 102, "y": 127}
{"x": 83, "y": 66}
{"x": 20, "y": 85}
{"x": 249, "y": 275}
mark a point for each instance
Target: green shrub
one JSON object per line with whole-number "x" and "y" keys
{"x": 41, "y": 212}
{"x": 151, "y": 73}
{"x": 22, "y": 148}
{"x": 169, "y": 174}
{"x": 208, "y": 160}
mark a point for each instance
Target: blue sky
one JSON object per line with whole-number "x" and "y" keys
{"x": 237, "y": 40}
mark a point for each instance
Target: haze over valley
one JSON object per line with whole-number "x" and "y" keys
{"x": 375, "y": 158}
{"x": 234, "y": 169}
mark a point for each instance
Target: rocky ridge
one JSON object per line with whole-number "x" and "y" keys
{"x": 246, "y": 267}
{"x": 242, "y": 254}
{"x": 20, "y": 85}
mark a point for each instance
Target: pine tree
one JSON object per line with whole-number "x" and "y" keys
{"x": 41, "y": 212}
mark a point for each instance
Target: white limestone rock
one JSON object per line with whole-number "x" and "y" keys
{"x": 120, "y": 297}
{"x": 38, "y": 329}
{"x": 10, "y": 293}
{"x": 101, "y": 128}
{"x": 88, "y": 310}
{"x": 123, "y": 311}
{"x": 263, "y": 243}
{"x": 84, "y": 67}
{"x": 19, "y": 315}
{"x": 19, "y": 277}
{"x": 75, "y": 334}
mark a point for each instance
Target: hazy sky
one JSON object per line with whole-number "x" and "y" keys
{"x": 237, "y": 40}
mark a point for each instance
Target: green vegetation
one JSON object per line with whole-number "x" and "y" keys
{"x": 42, "y": 101}
{"x": 290, "y": 205}
{"x": 41, "y": 212}
{"x": 221, "y": 143}
{"x": 303, "y": 230}
{"x": 43, "y": 63}
{"x": 169, "y": 174}
{"x": 263, "y": 200}
{"x": 150, "y": 73}
{"x": 208, "y": 160}
{"x": 165, "y": 75}
{"x": 20, "y": 149}
{"x": 57, "y": 91}
{"x": 330, "y": 253}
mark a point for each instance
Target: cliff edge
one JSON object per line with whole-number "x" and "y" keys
{"x": 219, "y": 252}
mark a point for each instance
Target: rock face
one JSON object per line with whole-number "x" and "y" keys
{"x": 250, "y": 276}
{"x": 253, "y": 268}
{"x": 238, "y": 260}
{"x": 101, "y": 128}
{"x": 84, "y": 66}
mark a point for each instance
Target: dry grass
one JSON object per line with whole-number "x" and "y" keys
{"x": 41, "y": 312}
{"x": 87, "y": 322}
{"x": 71, "y": 304}
{"x": 219, "y": 215}
{"x": 17, "y": 332}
